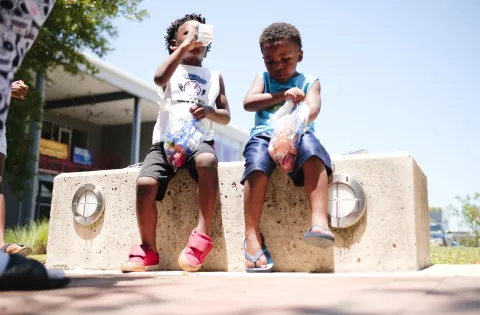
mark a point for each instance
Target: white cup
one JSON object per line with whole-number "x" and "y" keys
{"x": 204, "y": 34}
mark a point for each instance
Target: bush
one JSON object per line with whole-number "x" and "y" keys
{"x": 34, "y": 235}
{"x": 468, "y": 242}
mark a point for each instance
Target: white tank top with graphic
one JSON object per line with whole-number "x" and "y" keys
{"x": 188, "y": 84}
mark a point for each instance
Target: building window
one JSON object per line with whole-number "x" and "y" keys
{"x": 218, "y": 146}
{"x": 227, "y": 149}
{"x": 79, "y": 140}
{"x": 71, "y": 137}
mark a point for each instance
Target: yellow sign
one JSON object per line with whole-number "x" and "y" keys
{"x": 54, "y": 149}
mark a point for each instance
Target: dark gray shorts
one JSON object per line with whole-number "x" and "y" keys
{"x": 157, "y": 167}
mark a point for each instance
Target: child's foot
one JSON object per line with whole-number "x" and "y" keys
{"x": 319, "y": 236}
{"x": 261, "y": 261}
{"x": 192, "y": 257}
{"x": 19, "y": 249}
{"x": 141, "y": 258}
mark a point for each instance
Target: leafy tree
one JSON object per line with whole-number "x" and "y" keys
{"x": 72, "y": 27}
{"x": 469, "y": 210}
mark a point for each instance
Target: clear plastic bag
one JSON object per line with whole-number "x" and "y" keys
{"x": 185, "y": 133}
{"x": 289, "y": 124}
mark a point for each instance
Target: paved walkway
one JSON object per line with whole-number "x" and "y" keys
{"x": 240, "y": 294}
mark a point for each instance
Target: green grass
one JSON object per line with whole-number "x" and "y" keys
{"x": 34, "y": 235}
{"x": 440, "y": 255}
{"x": 455, "y": 255}
{"x": 40, "y": 258}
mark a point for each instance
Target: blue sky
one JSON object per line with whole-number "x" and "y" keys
{"x": 395, "y": 75}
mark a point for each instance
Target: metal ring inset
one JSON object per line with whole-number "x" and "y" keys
{"x": 78, "y": 205}
{"x": 334, "y": 205}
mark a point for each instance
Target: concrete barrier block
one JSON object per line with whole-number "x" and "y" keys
{"x": 391, "y": 236}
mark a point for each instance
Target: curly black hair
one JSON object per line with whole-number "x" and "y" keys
{"x": 280, "y": 31}
{"x": 173, "y": 28}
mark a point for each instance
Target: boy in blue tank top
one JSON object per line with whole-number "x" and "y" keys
{"x": 281, "y": 46}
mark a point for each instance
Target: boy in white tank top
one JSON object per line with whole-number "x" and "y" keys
{"x": 181, "y": 79}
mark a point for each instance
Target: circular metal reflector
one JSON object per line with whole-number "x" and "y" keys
{"x": 346, "y": 201}
{"x": 88, "y": 204}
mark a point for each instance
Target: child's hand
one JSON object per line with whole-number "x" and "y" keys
{"x": 190, "y": 41}
{"x": 200, "y": 112}
{"x": 295, "y": 95}
{"x": 19, "y": 89}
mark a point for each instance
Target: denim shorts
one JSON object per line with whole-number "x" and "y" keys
{"x": 257, "y": 157}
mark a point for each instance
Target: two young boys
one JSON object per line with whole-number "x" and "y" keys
{"x": 281, "y": 46}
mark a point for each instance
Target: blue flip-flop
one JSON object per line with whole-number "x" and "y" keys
{"x": 254, "y": 259}
{"x": 319, "y": 239}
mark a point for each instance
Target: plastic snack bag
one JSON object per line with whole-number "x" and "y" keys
{"x": 185, "y": 133}
{"x": 289, "y": 124}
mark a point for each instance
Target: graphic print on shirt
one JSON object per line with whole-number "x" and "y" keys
{"x": 193, "y": 88}
{"x": 274, "y": 108}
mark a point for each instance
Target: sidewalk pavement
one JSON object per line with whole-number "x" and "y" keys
{"x": 441, "y": 289}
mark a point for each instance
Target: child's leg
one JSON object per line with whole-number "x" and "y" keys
{"x": 313, "y": 169}
{"x": 255, "y": 191}
{"x": 206, "y": 166}
{"x": 151, "y": 185}
{"x": 204, "y": 170}
{"x": 258, "y": 168}
{"x": 316, "y": 186}
{"x": 147, "y": 215}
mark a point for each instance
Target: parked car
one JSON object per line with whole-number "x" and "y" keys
{"x": 439, "y": 236}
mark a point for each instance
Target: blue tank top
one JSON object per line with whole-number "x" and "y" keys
{"x": 262, "y": 118}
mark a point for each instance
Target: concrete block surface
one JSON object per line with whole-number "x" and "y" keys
{"x": 391, "y": 236}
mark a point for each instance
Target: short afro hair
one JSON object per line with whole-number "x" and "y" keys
{"x": 173, "y": 28}
{"x": 280, "y": 31}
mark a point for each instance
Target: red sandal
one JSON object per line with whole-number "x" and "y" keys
{"x": 193, "y": 256}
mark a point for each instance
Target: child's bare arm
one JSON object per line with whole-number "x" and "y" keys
{"x": 221, "y": 114}
{"x": 168, "y": 67}
{"x": 256, "y": 100}
{"x": 314, "y": 101}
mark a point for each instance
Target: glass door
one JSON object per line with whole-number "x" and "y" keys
{"x": 65, "y": 136}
